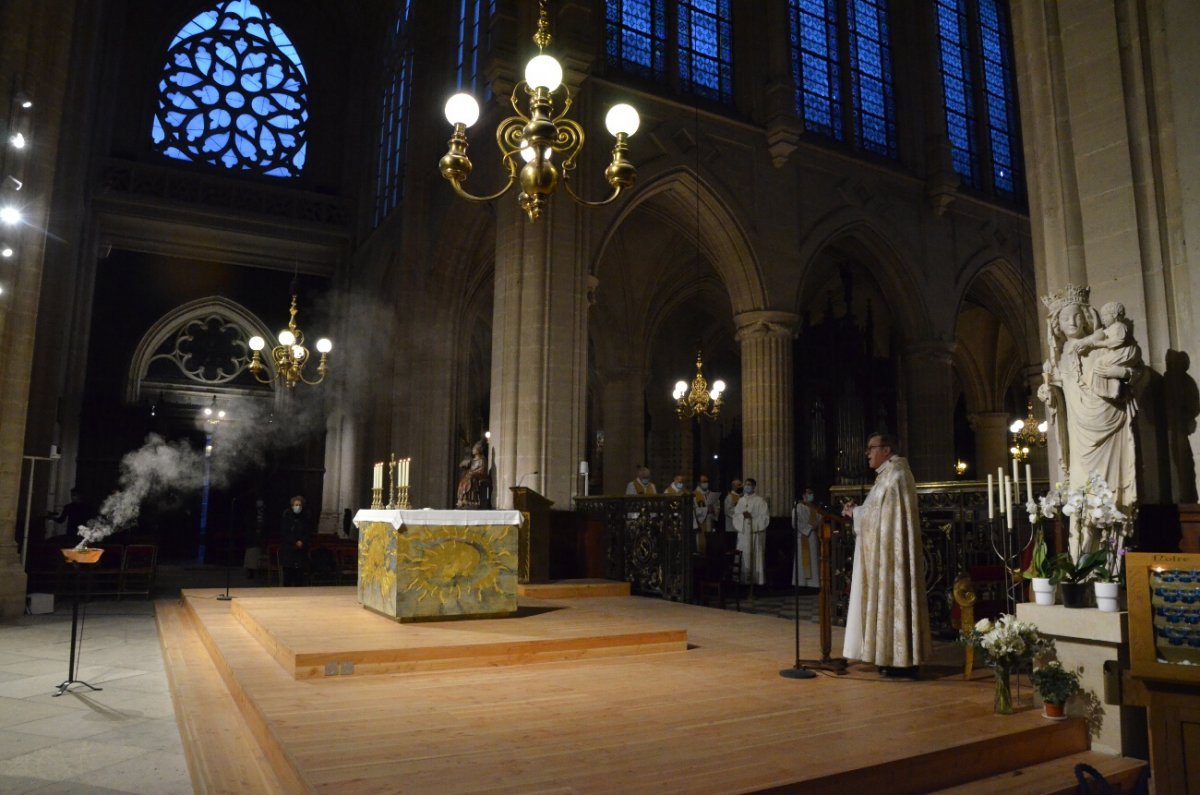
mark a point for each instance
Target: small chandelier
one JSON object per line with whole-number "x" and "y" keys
{"x": 1027, "y": 434}
{"x": 536, "y": 137}
{"x": 290, "y": 355}
{"x": 699, "y": 401}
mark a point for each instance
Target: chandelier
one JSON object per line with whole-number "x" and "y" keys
{"x": 290, "y": 355}
{"x": 1027, "y": 434}
{"x": 699, "y": 401}
{"x": 529, "y": 142}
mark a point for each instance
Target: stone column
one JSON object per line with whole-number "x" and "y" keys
{"x": 768, "y": 443}
{"x": 991, "y": 442}
{"x": 38, "y": 39}
{"x": 929, "y": 395}
{"x": 621, "y": 399}
{"x": 539, "y": 350}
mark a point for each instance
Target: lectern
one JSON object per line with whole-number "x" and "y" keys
{"x": 534, "y": 554}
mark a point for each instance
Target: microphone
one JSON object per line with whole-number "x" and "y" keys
{"x": 527, "y": 474}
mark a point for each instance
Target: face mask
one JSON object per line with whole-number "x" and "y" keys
{"x": 703, "y": 487}
{"x": 808, "y": 496}
{"x": 749, "y": 489}
{"x": 644, "y": 481}
{"x": 297, "y": 508}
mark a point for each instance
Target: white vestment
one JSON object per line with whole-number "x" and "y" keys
{"x": 809, "y": 563}
{"x": 731, "y": 501}
{"x": 752, "y": 535}
{"x": 887, "y": 621}
{"x": 708, "y": 509}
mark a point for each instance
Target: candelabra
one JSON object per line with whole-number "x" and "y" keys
{"x": 1027, "y": 434}
{"x": 699, "y": 401}
{"x": 290, "y": 356}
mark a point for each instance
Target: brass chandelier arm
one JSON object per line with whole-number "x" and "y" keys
{"x": 458, "y": 188}
{"x": 586, "y": 203}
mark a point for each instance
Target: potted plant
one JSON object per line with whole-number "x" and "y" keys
{"x": 1055, "y": 685}
{"x": 1039, "y": 570}
{"x": 1006, "y": 644}
{"x": 1096, "y": 519}
{"x": 1072, "y": 575}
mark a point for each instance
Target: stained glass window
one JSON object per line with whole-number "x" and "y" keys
{"x": 636, "y": 37}
{"x": 814, "y": 42}
{"x": 826, "y": 65}
{"x": 393, "y": 116}
{"x": 871, "y": 77}
{"x": 472, "y": 26}
{"x": 233, "y": 94}
{"x": 977, "y": 78}
{"x": 705, "y": 48}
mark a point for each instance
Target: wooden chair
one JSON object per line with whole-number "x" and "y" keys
{"x": 722, "y": 575}
{"x": 138, "y": 568}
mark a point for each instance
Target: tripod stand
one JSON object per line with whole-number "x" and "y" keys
{"x": 71, "y": 680}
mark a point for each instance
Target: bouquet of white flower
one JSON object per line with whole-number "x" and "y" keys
{"x": 1096, "y": 516}
{"x": 1006, "y": 643}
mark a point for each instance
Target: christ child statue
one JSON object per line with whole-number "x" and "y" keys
{"x": 1116, "y": 356}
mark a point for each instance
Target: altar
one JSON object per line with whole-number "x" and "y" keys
{"x": 434, "y": 565}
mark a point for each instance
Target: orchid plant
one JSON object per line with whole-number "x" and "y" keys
{"x": 1093, "y": 512}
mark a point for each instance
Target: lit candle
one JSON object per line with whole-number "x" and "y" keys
{"x": 991, "y": 504}
{"x": 1029, "y": 482}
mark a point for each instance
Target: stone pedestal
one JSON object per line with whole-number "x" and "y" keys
{"x": 1086, "y": 639}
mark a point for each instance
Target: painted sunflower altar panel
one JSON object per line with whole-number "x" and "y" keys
{"x": 428, "y": 565}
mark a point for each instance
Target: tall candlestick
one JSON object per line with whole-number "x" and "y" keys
{"x": 1016, "y": 481}
{"x": 1008, "y": 484}
{"x": 991, "y": 506}
{"x": 1001, "y": 479}
{"x": 377, "y": 482}
{"x": 1029, "y": 482}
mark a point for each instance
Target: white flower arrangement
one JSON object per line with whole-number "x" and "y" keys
{"x": 1007, "y": 641}
{"x": 1093, "y": 508}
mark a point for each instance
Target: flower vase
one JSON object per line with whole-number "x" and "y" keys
{"x": 1106, "y": 596}
{"x": 1043, "y": 591}
{"x": 1002, "y": 700}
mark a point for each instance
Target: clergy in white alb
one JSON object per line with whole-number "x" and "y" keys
{"x": 887, "y": 620}
{"x": 731, "y": 501}
{"x": 750, "y": 520}
{"x": 806, "y": 570}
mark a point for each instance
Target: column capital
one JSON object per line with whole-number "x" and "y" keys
{"x": 938, "y": 350}
{"x": 761, "y": 324}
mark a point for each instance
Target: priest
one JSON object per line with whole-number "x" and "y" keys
{"x": 887, "y": 621}
{"x": 750, "y": 519}
{"x": 806, "y": 570}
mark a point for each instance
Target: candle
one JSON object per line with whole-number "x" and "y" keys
{"x": 377, "y": 483}
{"x": 1001, "y": 480}
{"x": 404, "y": 468}
{"x": 1008, "y": 484}
{"x": 991, "y": 506}
{"x": 1029, "y": 482}
{"x": 1016, "y": 481}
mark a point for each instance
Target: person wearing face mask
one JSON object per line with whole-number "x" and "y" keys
{"x": 804, "y": 520}
{"x": 887, "y": 619}
{"x": 295, "y": 533}
{"x": 675, "y": 487}
{"x": 731, "y": 501}
{"x": 641, "y": 485}
{"x": 750, "y": 518}
{"x": 708, "y": 512}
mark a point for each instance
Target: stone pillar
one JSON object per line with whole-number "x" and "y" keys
{"x": 38, "y": 39}
{"x": 768, "y": 443}
{"x": 991, "y": 442}
{"x": 621, "y": 399}
{"x": 929, "y": 395}
{"x": 539, "y": 350}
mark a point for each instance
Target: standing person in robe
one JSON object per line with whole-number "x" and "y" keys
{"x": 641, "y": 485}
{"x": 731, "y": 501}
{"x": 708, "y": 512}
{"x": 295, "y": 536}
{"x": 807, "y": 570}
{"x": 751, "y": 517}
{"x": 887, "y": 621}
{"x": 675, "y": 488}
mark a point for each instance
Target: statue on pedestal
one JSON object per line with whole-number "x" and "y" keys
{"x": 1093, "y": 360}
{"x": 472, "y": 491}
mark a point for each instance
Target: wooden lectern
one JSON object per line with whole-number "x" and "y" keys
{"x": 534, "y": 548}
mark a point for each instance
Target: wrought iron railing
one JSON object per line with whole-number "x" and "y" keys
{"x": 648, "y": 542}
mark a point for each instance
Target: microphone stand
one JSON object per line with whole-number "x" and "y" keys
{"x": 225, "y": 597}
{"x": 797, "y": 671}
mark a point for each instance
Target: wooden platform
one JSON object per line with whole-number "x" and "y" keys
{"x": 573, "y": 589}
{"x": 334, "y": 636}
{"x": 714, "y": 718}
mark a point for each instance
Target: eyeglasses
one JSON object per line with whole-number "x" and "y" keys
{"x": 871, "y": 447}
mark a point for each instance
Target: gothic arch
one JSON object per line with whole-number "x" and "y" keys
{"x": 991, "y": 280}
{"x": 176, "y": 322}
{"x": 722, "y": 234}
{"x": 892, "y": 265}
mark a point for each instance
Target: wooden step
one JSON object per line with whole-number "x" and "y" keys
{"x": 1056, "y": 776}
{"x": 222, "y": 755}
{"x": 573, "y": 589}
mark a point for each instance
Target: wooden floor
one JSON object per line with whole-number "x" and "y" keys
{"x": 714, "y": 718}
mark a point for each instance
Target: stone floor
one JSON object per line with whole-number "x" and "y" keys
{"x": 123, "y": 738}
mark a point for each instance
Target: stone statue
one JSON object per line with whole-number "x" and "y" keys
{"x": 1093, "y": 359}
{"x": 474, "y": 482}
